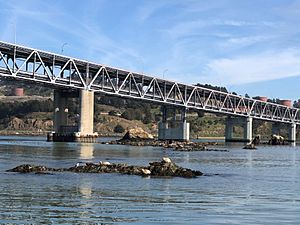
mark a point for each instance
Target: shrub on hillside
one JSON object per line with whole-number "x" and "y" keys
{"x": 132, "y": 114}
{"x": 113, "y": 113}
{"x": 119, "y": 129}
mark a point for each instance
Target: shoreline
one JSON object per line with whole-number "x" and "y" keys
{"x": 113, "y": 135}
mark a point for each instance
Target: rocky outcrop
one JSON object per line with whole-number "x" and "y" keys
{"x": 256, "y": 140}
{"x": 276, "y": 140}
{"x": 164, "y": 168}
{"x": 174, "y": 145}
{"x": 27, "y": 168}
{"x": 168, "y": 168}
{"x": 137, "y": 134}
{"x": 16, "y": 124}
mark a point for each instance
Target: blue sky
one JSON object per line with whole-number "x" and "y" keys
{"x": 248, "y": 46}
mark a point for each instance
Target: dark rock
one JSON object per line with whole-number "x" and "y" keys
{"x": 276, "y": 140}
{"x": 169, "y": 144}
{"x": 171, "y": 169}
{"x": 26, "y": 168}
{"x": 256, "y": 140}
{"x": 162, "y": 169}
{"x": 250, "y": 146}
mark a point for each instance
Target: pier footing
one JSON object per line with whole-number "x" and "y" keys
{"x": 71, "y": 137}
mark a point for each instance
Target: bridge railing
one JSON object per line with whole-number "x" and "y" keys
{"x": 26, "y": 64}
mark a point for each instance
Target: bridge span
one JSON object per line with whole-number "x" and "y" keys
{"x": 68, "y": 76}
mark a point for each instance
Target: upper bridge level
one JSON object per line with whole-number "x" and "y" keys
{"x": 27, "y": 64}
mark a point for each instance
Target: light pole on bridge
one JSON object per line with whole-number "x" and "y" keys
{"x": 143, "y": 64}
{"x": 164, "y": 73}
{"x": 62, "y": 47}
{"x": 14, "y": 24}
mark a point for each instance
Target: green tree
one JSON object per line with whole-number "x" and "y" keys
{"x": 119, "y": 129}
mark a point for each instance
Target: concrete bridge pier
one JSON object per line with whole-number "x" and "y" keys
{"x": 292, "y": 133}
{"x": 81, "y": 132}
{"x": 86, "y": 123}
{"x": 245, "y": 123}
{"x": 60, "y": 111}
{"x": 174, "y": 129}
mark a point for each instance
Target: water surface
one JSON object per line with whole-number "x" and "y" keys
{"x": 240, "y": 186}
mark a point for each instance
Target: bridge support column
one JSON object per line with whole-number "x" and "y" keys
{"x": 83, "y": 132}
{"x": 245, "y": 123}
{"x": 60, "y": 111}
{"x": 86, "y": 123}
{"x": 248, "y": 129}
{"x": 292, "y": 132}
{"x": 174, "y": 129}
{"x": 229, "y": 129}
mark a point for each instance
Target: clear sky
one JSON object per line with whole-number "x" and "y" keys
{"x": 249, "y": 46}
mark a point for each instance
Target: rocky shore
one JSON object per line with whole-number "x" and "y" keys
{"x": 164, "y": 168}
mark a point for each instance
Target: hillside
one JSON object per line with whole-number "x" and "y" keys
{"x": 32, "y": 114}
{"x": 20, "y": 118}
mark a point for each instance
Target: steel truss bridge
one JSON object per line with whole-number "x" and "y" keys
{"x": 27, "y": 64}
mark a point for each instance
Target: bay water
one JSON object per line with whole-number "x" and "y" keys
{"x": 239, "y": 186}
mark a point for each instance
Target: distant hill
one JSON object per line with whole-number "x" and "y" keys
{"x": 33, "y": 113}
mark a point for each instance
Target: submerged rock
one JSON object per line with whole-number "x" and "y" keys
{"x": 162, "y": 169}
{"x": 250, "y": 146}
{"x": 26, "y": 168}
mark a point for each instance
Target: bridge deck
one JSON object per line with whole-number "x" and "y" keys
{"x": 27, "y": 64}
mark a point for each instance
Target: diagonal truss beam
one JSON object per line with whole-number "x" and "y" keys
{"x": 57, "y": 71}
